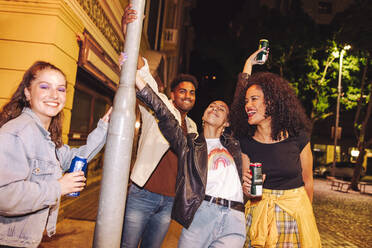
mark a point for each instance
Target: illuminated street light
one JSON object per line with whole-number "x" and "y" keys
{"x": 354, "y": 153}
{"x": 347, "y": 47}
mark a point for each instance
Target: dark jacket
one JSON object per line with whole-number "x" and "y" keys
{"x": 192, "y": 159}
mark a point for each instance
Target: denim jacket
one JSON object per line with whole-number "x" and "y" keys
{"x": 29, "y": 173}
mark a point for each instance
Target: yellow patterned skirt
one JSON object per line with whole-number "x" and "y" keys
{"x": 282, "y": 218}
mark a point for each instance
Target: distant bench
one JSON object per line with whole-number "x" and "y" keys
{"x": 344, "y": 186}
{"x": 362, "y": 186}
{"x": 339, "y": 185}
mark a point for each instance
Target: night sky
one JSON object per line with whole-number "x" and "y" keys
{"x": 216, "y": 54}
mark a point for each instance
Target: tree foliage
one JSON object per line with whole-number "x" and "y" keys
{"x": 304, "y": 53}
{"x": 355, "y": 26}
{"x": 300, "y": 50}
{"x": 320, "y": 81}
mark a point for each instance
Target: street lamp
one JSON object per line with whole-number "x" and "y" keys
{"x": 347, "y": 47}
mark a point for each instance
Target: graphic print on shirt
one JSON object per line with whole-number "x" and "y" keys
{"x": 222, "y": 172}
{"x": 218, "y": 158}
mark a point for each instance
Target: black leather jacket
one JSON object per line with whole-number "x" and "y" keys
{"x": 192, "y": 159}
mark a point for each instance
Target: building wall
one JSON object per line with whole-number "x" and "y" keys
{"x": 52, "y": 30}
{"x": 83, "y": 38}
{"x": 56, "y": 31}
{"x": 43, "y": 31}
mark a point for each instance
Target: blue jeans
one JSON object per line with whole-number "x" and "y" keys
{"x": 214, "y": 226}
{"x": 147, "y": 218}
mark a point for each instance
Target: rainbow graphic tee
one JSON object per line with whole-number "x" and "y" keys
{"x": 223, "y": 178}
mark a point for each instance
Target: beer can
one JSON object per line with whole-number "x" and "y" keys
{"x": 256, "y": 187}
{"x": 77, "y": 164}
{"x": 262, "y": 56}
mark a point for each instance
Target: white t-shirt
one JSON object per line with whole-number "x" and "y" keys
{"x": 223, "y": 178}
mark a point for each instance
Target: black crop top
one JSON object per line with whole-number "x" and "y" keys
{"x": 280, "y": 161}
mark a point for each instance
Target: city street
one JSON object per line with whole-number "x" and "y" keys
{"x": 344, "y": 220}
{"x": 82, "y": 81}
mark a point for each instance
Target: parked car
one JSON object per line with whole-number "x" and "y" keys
{"x": 344, "y": 170}
{"x": 319, "y": 170}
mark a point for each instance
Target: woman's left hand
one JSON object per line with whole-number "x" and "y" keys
{"x": 252, "y": 60}
{"x": 247, "y": 183}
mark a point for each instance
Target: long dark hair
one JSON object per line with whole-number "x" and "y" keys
{"x": 18, "y": 101}
{"x": 282, "y": 105}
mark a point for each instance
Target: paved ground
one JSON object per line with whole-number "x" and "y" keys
{"x": 344, "y": 220}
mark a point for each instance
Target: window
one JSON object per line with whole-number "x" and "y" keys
{"x": 325, "y": 7}
{"x": 155, "y": 20}
{"x": 80, "y": 112}
{"x": 90, "y": 104}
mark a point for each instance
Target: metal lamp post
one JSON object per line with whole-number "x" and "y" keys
{"x": 108, "y": 228}
{"x": 339, "y": 88}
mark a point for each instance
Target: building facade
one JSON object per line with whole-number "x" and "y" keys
{"x": 84, "y": 39}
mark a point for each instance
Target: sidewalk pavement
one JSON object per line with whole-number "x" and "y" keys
{"x": 344, "y": 219}
{"x": 76, "y": 230}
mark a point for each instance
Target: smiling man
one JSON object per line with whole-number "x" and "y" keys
{"x": 151, "y": 194}
{"x": 183, "y": 93}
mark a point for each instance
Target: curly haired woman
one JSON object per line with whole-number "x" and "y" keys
{"x": 273, "y": 129}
